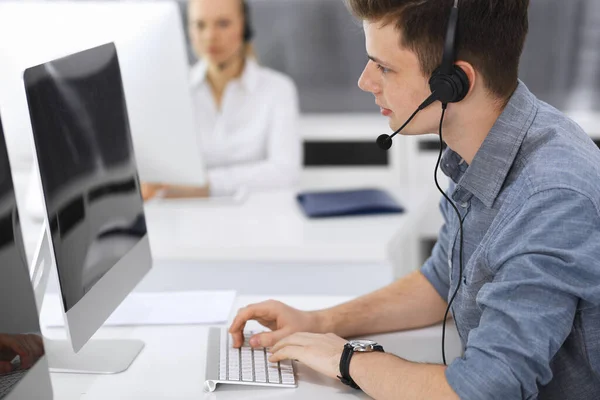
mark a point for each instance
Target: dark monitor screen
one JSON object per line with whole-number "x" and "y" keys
{"x": 87, "y": 166}
{"x": 21, "y": 344}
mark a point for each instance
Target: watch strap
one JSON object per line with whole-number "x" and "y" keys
{"x": 345, "y": 367}
{"x": 347, "y": 354}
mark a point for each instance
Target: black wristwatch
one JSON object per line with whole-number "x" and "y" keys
{"x": 361, "y": 346}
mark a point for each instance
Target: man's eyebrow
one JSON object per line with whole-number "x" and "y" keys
{"x": 378, "y": 61}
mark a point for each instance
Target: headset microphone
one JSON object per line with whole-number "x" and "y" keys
{"x": 385, "y": 141}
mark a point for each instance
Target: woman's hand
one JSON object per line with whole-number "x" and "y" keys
{"x": 150, "y": 190}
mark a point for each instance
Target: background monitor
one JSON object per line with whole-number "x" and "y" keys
{"x": 90, "y": 183}
{"x": 150, "y": 39}
{"x": 22, "y": 376}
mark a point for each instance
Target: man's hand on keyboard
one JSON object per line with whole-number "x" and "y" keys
{"x": 281, "y": 319}
{"x": 28, "y": 347}
{"x": 317, "y": 351}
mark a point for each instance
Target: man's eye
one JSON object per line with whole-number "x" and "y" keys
{"x": 383, "y": 69}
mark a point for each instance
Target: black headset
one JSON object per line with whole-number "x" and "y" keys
{"x": 248, "y": 31}
{"x": 448, "y": 84}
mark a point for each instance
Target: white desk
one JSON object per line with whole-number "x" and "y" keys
{"x": 266, "y": 245}
{"x": 172, "y": 364}
{"x": 270, "y": 227}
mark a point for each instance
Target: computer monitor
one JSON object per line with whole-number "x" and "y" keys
{"x": 95, "y": 213}
{"x": 150, "y": 39}
{"x": 23, "y": 365}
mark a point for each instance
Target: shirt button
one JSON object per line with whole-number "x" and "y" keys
{"x": 464, "y": 205}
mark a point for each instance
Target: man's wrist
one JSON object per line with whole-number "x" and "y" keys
{"x": 324, "y": 321}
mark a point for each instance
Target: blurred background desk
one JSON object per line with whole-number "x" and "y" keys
{"x": 265, "y": 245}
{"x": 270, "y": 227}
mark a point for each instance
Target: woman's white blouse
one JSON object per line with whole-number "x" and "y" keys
{"x": 252, "y": 142}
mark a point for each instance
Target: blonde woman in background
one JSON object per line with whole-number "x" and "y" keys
{"x": 247, "y": 114}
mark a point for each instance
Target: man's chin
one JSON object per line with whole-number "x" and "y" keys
{"x": 394, "y": 125}
{"x": 405, "y": 132}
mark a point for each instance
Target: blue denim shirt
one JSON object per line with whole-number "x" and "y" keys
{"x": 528, "y": 310}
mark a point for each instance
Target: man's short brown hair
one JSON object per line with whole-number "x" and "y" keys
{"x": 490, "y": 35}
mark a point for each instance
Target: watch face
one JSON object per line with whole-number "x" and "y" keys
{"x": 363, "y": 345}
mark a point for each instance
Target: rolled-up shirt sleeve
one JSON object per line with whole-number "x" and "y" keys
{"x": 544, "y": 261}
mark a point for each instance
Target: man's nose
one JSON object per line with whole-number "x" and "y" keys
{"x": 368, "y": 81}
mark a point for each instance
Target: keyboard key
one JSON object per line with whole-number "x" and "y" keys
{"x": 273, "y": 375}
{"x": 247, "y": 377}
{"x": 233, "y": 371}
{"x": 259, "y": 354}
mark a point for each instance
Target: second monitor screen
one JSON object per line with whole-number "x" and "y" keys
{"x": 87, "y": 166}
{"x": 21, "y": 344}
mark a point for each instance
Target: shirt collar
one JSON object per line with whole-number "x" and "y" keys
{"x": 492, "y": 162}
{"x": 248, "y": 79}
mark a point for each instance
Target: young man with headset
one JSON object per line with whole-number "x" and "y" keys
{"x": 518, "y": 259}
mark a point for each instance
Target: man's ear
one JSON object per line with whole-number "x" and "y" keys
{"x": 471, "y": 73}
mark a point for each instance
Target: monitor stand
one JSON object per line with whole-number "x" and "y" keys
{"x": 97, "y": 356}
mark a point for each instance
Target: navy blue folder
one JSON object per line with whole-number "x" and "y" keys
{"x": 347, "y": 203}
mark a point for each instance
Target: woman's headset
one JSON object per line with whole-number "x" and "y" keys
{"x": 248, "y": 30}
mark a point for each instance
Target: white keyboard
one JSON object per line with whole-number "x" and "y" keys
{"x": 244, "y": 366}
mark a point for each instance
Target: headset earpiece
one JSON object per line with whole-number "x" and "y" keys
{"x": 449, "y": 82}
{"x": 248, "y": 31}
{"x": 449, "y": 88}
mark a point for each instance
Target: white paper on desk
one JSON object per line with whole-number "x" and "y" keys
{"x": 164, "y": 308}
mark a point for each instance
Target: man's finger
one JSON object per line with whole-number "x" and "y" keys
{"x": 268, "y": 339}
{"x": 287, "y": 353}
{"x": 238, "y": 337}
{"x": 297, "y": 339}
{"x": 236, "y": 329}
{"x": 244, "y": 315}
